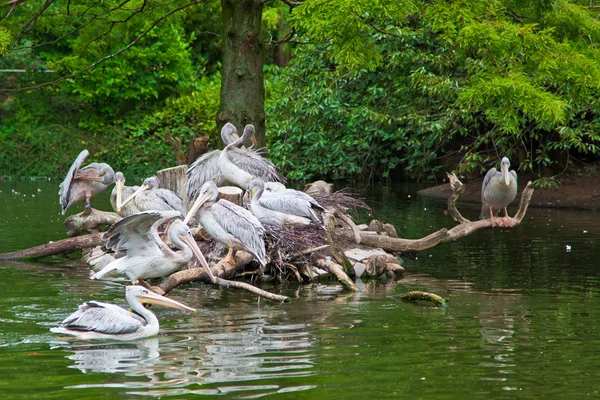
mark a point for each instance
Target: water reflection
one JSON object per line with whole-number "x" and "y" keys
{"x": 128, "y": 358}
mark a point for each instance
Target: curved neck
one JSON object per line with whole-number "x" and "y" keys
{"x": 187, "y": 254}
{"x": 143, "y": 311}
{"x": 259, "y": 193}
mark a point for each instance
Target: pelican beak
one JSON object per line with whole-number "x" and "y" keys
{"x": 154, "y": 298}
{"x": 140, "y": 190}
{"x": 254, "y": 142}
{"x": 120, "y": 186}
{"x": 189, "y": 239}
{"x": 505, "y": 174}
{"x": 196, "y": 206}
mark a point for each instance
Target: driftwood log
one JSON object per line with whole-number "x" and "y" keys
{"x": 465, "y": 227}
{"x": 89, "y": 221}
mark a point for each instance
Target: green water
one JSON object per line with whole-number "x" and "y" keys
{"x": 522, "y": 321}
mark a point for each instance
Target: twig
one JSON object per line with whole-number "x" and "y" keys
{"x": 307, "y": 251}
{"x": 253, "y": 289}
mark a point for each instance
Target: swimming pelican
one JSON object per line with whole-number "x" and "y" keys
{"x": 97, "y": 320}
{"x": 82, "y": 184}
{"x": 229, "y": 224}
{"x": 206, "y": 167}
{"x": 497, "y": 191}
{"x": 141, "y": 254}
{"x": 150, "y": 196}
{"x": 284, "y": 209}
{"x": 121, "y": 191}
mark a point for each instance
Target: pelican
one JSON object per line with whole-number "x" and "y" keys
{"x": 97, "y": 320}
{"x": 279, "y": 189}
{"x": 497, "y": 191}
{"x": 284, "y": 209}
{"x": 82, "y": 184}
{"x": 141, "y": 254}
{"x": 120, "y": 191}
{"x": 206, "y": 167}
{"x": 150, "y": 196}
{"x": 229, "y": 224}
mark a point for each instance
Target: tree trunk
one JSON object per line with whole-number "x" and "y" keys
{"x": 242, "y": 81}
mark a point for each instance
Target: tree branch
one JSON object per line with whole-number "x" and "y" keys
{"x": 95, "y": 64}
{"x": 78, "y": 28}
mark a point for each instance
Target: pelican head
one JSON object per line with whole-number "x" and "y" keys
{"x": 504, "y": 166}
{"x": 208, "y": 192}
{"x": 182, "y": 231}
{"x": 256, "y": 185}
{"x": 149, "y": 183}
{"x": 106, "y": 173}
{"x": 229, "y": 133}
{"x": 142, "y": 295}
{"x": 274, "y": 187}
{"x": 249, "y": 132}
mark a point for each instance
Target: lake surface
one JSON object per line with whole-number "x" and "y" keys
{"x": 522, "y": 320}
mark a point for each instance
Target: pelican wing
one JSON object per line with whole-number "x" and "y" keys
{"x": 138, "y": 233}
{"x": 241, "y": 224}
{"x": 172, "y": 199}
{"x": 201, "y": 171}
{"x": 63, "y": 192}
{"x": 488, "y": 177}
{"x": 89, "y": 171}
{"x": 104, "y": 318}
{"x": 257, "y": 166}
{"x": 289, "y": 205}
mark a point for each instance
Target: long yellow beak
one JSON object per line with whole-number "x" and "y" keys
{"x": 505, "y": 174}
{"x": 140, "y": 190}
{"x": 154, "y": 298}
{"x": 189, "y": 239}
{"x": 196, "y": 206}
{"x": 120, "y": 186}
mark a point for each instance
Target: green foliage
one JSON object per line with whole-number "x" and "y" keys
{"x": 453, "y": 80}
{"x": 123, "y": 109}
{"x": 5, "y": 40}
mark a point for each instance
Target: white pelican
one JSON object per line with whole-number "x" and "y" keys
{"x": 279, "y": 189}
{"x": 284, "y": 209}
{"x": 497, "y": 191}
{"x": 141, "y": 254}
{"x": 229, "y": 224}
{"x": 121, "y": 191}
{"x": 97, "y": 320}
{"x": 82, "y": 184}
{"x": 150, "y": 196}
{"x": 206, "y": 167}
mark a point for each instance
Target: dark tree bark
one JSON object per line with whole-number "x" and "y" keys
{"x": 242, "y": 81}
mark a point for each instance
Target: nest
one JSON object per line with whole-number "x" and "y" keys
{"x": 343, "y": 200}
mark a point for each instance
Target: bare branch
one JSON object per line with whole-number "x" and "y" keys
{"x": 108, "y": 57}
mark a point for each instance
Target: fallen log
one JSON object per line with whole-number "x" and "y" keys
{"x": 64, "y": 246}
